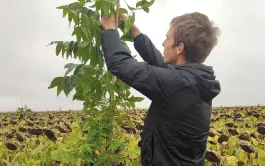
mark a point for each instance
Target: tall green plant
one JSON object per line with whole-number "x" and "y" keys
{"x": 104, "y": 142}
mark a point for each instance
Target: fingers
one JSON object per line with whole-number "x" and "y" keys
{"x": 108, "y": 16}
{"x": 108, "y": 22}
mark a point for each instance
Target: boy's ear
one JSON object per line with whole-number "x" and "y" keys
{"x": 180, "y": 49}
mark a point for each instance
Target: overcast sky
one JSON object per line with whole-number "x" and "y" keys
{"x": 28, "y": 67}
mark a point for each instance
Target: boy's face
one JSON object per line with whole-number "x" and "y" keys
{"x": 171, "y": 53}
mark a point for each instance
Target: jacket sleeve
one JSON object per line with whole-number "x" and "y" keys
{"x": 148, "y": 51}
{"x": 153, "y": 82}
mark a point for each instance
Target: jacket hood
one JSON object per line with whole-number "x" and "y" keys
{"x": 204, "y": 75}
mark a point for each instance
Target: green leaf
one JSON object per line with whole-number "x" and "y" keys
{"x": 132, "y": 104}
{"x": 148, "y": 4}
{"x": 82, "y": 1}
{"x": 121, "y": 26}
{"x": 127, "y": 38}
{"x": 128, "y": 105}
{"x": 254, "y": 141}
{"x": 139, "y": 3}
{"x": 83, "y": 43}
{"x": 87, "y": 87}
{"x": 88, "y": 148}
{"x": 146, "y": 9}
{"x": 105, "y": 9}
{"x": 56, "y": 155}
{"x": 78, "y": 68}
{"x": 113, "y": 2}
{"x": 137, "y": 151}
{"x": 77, "y": 33}
{"x": 98, "y": 5}
{"x": 66, "y": 44}
{"x": 135, "y": 163}
{"x": 62, "y": 7}
{"x": 112, "y": 8}
{"x": 138, "y": 99}
{"x": 241, "y": 155}
{"x": 75, "y": 16}
{"x": 94, "y": 57}
{"x": 101, "y": 161}
{"x": 75, "y": 4}
{"x": 66, "y": 157}
{"x": 123, "y": 11}
{"x": 85, "y": 32}
{"x": 75, "y": 49}
{"x": 59, "y": 48}
{"x": 261, "y": 159}
{"x": 71, "y": 47}
{"x": 67, "y": 85}
{"x": 99, "y": 91}
{"x": 1, "y": 154}
{"x": 65, "y": 11}
{"x": 70, "y": 67}
{"x": 231, "y": 160}
{"x": 63, "y": 51}
{"x": 68, "y": 53}
{"x": 132, "y": 19}
{"x": 56, "y": 82}
{"x": 70, "y": 16}
{"x": 128, "y": 23}
{"x": 59, "y": 89}
{"x": 114, "y": 145}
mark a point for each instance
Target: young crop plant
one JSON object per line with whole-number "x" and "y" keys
{"x": 100, "y": 138}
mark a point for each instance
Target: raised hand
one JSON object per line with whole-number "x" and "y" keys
{"x": 108, "y": 22}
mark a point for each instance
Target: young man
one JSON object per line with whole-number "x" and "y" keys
{"x": 180, "y": 87}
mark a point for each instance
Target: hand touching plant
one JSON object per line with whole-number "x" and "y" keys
{"x": 108, "y": 22}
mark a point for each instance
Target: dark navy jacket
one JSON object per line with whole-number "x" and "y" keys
{"x": 177, "y": 123}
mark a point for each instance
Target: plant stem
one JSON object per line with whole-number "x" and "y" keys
{"x": 117, "y": 14}
{"x": 116, "y": 27}
{"x": 248, "y": 158}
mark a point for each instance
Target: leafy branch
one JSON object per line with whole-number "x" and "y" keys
{"x": 92, "y": 83}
